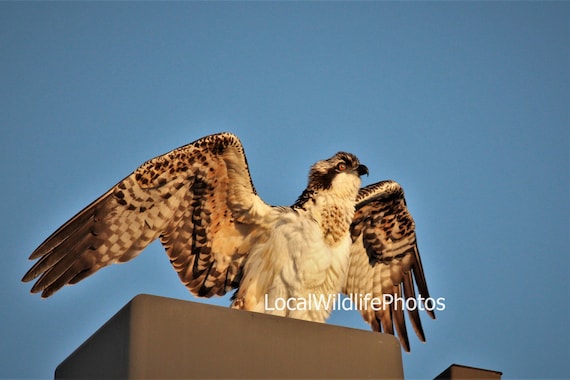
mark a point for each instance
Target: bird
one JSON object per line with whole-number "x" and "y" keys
{"x": 220, "y": 236}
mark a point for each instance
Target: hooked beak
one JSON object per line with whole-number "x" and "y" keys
{"x": 361, "y": 170}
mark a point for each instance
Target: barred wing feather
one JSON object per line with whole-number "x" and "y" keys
{"x": 192, "y": 198}
{"x": 385, "y": 261}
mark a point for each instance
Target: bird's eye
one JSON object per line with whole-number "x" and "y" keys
{"x": 341, "y": 167}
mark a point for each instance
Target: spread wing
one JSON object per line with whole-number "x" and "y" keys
{"x": 198, "y": 199}
{"x": 385, "y": 261}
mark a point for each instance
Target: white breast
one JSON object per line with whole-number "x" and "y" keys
{"x": 291, "y": 270}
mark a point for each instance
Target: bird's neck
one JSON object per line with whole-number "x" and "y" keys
{"x": 333, "y": 213}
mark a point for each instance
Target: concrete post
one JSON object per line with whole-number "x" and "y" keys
{"x": 156, "y": 337}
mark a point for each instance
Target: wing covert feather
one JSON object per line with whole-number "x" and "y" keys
{"x": 385, "y": 261}
{"x": 198, "y": 199}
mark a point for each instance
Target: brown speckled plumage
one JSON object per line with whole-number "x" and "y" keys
{"x": 385, "y": 258}
{"x": 173, "y": 197}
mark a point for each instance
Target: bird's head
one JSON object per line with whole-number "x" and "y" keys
{"x": 343, "y": 170}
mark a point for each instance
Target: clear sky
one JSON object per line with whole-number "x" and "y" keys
{"x": 465, "y": 104}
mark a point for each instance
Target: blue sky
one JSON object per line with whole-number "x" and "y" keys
{"x": 465, "y": 104}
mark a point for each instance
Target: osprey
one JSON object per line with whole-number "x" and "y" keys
{"x": 200, "y": 202}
